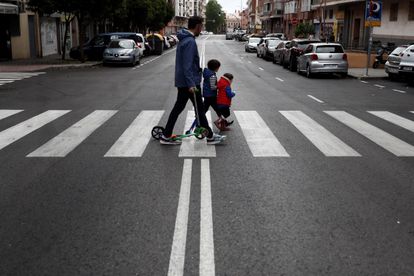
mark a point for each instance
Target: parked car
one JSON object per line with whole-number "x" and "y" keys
{"x": 269, "y": 48}
{"x": 167, "y": 44}
{"x": 171, "y": 40}
{"x": 279, "y": 53}
{"x": 252, "y": 44}
{"x": 229, "y": 36}
{"x": 94, "y": 48}
{"x": 122, "y": 51}
{"x": 281, "y": 36}
{"x": 407, "y": 64}
{"x": 392, "y": 65}
{"x": 261, "y": 46}
{"x": 294, "y": 50}
{"x": 323, "y": 58}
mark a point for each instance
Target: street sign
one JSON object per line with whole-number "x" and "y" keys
{"x": 373, "y": 12}
{"x": 294, "y": 21}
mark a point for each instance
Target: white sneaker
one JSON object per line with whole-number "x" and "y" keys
{"x": 216, "y": 139}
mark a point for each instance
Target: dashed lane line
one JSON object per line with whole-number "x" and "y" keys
{"x": 279, "y": 79}
{"x": 261, "y": 69}
{"x": 379, "y": 86}
{"x": 316, "y": 99}
{"x": 364, "y": 82}
{"x": 399, "y": 91}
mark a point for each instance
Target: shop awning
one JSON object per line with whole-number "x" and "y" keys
{"x": 6, "y": 8}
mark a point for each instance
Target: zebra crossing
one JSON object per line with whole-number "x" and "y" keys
{"x": 10, "y": 77}
{"x": 260, "y": 139}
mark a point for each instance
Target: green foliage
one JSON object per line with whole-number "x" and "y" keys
{"x": 215, "y": 16}
{"x": 303, "y": 30}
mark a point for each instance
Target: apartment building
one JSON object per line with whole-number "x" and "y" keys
{"x": 272, "y": 16}
{"x": 255, "y": 9}
{"x": 183, "y": 10}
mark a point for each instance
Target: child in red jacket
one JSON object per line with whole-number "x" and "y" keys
{"x": 224, "y": 96}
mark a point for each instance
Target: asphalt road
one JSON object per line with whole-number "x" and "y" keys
{"x": 307, "y": 183}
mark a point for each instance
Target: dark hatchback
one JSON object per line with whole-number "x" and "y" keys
{"x": 95, "y": 47}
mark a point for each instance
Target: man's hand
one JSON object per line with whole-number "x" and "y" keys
{"x": 192, "y": 89}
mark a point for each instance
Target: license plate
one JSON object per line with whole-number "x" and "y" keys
{"x": 393, "y": 70}
{"x": 408, "y": 68}
{"x": 331, "y": 65}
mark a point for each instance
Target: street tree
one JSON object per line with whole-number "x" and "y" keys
{"x": 303, "y": 30}
{"x": 215, "y": 16}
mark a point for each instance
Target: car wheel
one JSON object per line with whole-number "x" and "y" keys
{"x": 344, "y": 75}
{"x": 284, "y": 63}
{"x": 257, "y": 54}
{"x": 308, "y": 72}
{"x": 274, "y": 60}
{"x": 133, "y": 62}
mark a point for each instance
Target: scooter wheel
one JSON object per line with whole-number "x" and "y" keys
{"x": 156, "y": 132}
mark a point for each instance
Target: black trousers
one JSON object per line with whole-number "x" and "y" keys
{"x": 211, "y": 101}
{"x": 182, "y": 98}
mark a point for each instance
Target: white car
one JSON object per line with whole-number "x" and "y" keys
{"x": 407, "y": 63}
{"x": 393, "y": 62}
{"x": 251, "y": 45}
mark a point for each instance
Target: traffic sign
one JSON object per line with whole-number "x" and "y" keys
{"x": 373, "y": 12}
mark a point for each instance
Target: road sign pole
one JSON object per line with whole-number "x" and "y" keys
{"x": 369, "y": 50}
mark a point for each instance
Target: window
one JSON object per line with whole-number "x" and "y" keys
{"x": 394, "y": 12}
{"x": 411, "y": 11}
{"x": 328, "y": 49}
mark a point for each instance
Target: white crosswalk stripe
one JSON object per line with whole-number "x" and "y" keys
{"x": 10, "y": 77}
{"x": 378, "y": 136}
{"x": 192, "y": 147}
{"x": 136, "y": 137}
{"x": 17, "y": 132}
{"x": 68, "y": 140}
{"x": 4, "y": 113}
{"x": 324, "y": 140}
{"x": 259, "y": 137}
{"x": 395, "y": 119}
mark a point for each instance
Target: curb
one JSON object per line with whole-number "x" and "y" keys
{"x": 49, "y": 67}
{"x": 367, "y": 77}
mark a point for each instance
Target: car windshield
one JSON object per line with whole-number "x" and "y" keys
{"x": 398, "y": 51}
{"x": 125, "y": 44}
{"x": 329, "y": 49}
{"x": 254, "y": 40}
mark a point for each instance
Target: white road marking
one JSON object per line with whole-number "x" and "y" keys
{"x": 412, "y": 111}
{"x": 324, "y": 140}
{"x": 261, "y": 69}
{"x": 399, "y": 91}
{"x": 177, "y": 257}
{"x": 207, "y": 265}
{"x": 4, "y": 82}
{"x": 136, "y": 137}
{"x": 192, "y": 147}
{"x": 4, "y": 113}
{"x": 364, "y": 82}
{"x": 379, "y": 86}
{"x": 259, "y": 137}
{"x": 279, "y": 79}
{"x": 17, "y": 132}
{"x": 376, "y": 135}
{"x": 395, "y": 119}
{"x": 249, "y": 61}
{"x": 68, "y": 140}
{"x": 316, "y": 99}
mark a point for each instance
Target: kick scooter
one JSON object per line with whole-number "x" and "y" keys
{"x": 196, "y": 130}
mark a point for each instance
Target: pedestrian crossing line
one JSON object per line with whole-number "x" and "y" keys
{"x": 68, "y": 140}
{"x": 192, "y": 147}
{"x": 4, "y": 113}
{"x": 260, "y": 139}
{"x": 395, "y": 119}
{"x": 136, "y": 137}
{"x": 18, "y": 131}
{"x": 376, "y": 135}
{"x": 320, "y": 137}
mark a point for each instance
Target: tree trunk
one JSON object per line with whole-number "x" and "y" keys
{"x": 65, "y": 39}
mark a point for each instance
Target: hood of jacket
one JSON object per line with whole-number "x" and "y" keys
{"x": 184, "y": 33}
{"x": 223, "y": 82}
{"x": 207, "y": 73}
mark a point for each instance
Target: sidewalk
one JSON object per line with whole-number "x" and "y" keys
{"x": 45, "y": 63}
{"x": 360, "y": 73}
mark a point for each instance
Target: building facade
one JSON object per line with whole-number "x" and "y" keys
{"x": 272, "y": 16}
{"x": 183, "y": 10}
{"x": 233, "y": 22}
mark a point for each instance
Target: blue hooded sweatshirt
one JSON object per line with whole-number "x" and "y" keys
{"x": 187, "y": 61}
{"x": 207, "y": 89}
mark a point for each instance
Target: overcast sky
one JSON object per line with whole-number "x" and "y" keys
{"x": 230, "y": 6}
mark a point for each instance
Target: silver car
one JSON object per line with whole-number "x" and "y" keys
{"x": 122, "y": 51}
{"x": 323, "y": 58}
{"x": 393, "y": 62}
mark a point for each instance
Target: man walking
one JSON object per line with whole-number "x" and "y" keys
{"x": 187, "y": 81}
